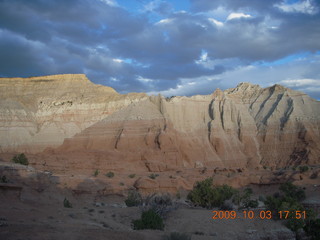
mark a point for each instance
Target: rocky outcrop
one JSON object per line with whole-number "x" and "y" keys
{"x": 40, "y": 112}
{"x": 93, "y": 127}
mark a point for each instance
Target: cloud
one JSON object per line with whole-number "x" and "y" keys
{"x": 216, "y": 22}
{"x": 301, "y": 74}
{"x": 110, "y": 2}
{"x": 238, "y": 15}
{"x": 154, "y": 47}
{"x": 306, "y": 7}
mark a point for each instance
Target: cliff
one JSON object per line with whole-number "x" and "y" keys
{"x": 40, "y": 112}
{"x": 93, "y": 127}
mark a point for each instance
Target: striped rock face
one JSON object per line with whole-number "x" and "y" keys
{"x": 89, "y": 127}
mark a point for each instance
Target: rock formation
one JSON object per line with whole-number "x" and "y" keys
{"x": 40, "y": 112}
{"x": 88, "y": 126}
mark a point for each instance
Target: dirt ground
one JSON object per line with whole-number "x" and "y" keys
{"x": 32, "y": 208}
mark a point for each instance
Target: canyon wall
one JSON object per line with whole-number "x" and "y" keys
{"x": 40, "y": 112}
{"x": 69, "y": 121}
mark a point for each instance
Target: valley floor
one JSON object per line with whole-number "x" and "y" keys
{"x": 32, "y": 209}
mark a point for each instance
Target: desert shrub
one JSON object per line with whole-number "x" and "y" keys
{"x": 132, "y": 175}
{"x": 295, "y": 224}
{"x": 149, "y": 220}
{"x": 205, "y": 195}
{"x": 153, "y": 176}
{"x": 227, "y": 206}
{"x": 292, "y": 191}
{"x": 160, "y": 203}
{"x": 3, "y": 179}
{"x": 134, "y": 199}
{"x": 282, "y": 203}
{"x": 243, "y": 199}
{"x": 178, "y": 236}
{"x": 251, "y": 204}
{"x": 20, "y": 159}
{"x": 303, "y": 169}
{"x": 312, "y": 228}
{"x": 262, "y": 198}
{"x": 110, "y": 174}
{"x": 96, "y": 173}
{"x": 66, "y": 203}
{"x": 288, "y": 199}
{"x": 178, "y": 195}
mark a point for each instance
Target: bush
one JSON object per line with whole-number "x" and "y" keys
{"x": 20, "y": 159}
{"x": 303, "y": 169}
{"x": 289, "y": 200}
{"x": 153, "y": 176}
{"x": 110, "y": 174}
{"x": 227, "y": 206}
{"x": 262, "y": 198}
{"x": 177, "y": 236}
{"x": 312, "y": 228}
{"x": 66, "y": 203}
{"x": 132, "y": 175}
{"x": 96, "y": 173}
{"x": 295, "y": 224}
{"x": 243, "y": 200}
{"x": 252, "y": 204}
{"x": 292, "y": 191}
{"x": 205, "y": 195}
{"x": 3, "y": 179}
{"x": 159, "y": 203}
{"x": 149, "y": 220}
{"x": 134, "y": 199}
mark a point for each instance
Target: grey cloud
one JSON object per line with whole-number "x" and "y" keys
{"x": 302, "y": 75}
{"x": 207, "y": 5}
{"x": 48, "y": 37}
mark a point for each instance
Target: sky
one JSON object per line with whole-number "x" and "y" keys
{"x": 178, "y": 47}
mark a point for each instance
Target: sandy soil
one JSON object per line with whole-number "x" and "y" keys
{"x": 32, "y": 208}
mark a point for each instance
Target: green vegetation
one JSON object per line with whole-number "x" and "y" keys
{"x": 303, "y": 169}
{"x": 288, "y": 199}
{"x": 178, "y": 195}
{"x": 206, "y": 195}
{"x": 134, "y": 199}
{"x": 153, "y": 176}
{"x": 66, "y": 203}
{"x": 110, "y": 174}
{"x": 20, "y": 159}
{"x": 121, "y": 184}
{"x": 3, "y": 179}
{"x": 312, "y": 228}
{"x": 243, "y": 199}
{"x": 177, "y": 236}
{"x": 96, "y": 173}
{"x": 149, "y": 220}
{"x": 132, "y": 175}
{"x": 292, "y": 191}
{"x": 160, "y": 203}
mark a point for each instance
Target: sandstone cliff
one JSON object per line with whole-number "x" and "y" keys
{"x": 40, "y": 112}
{"x": 93, "y": 127}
